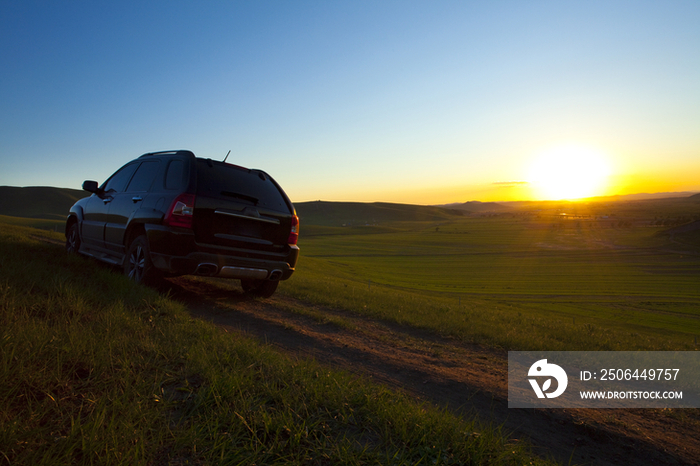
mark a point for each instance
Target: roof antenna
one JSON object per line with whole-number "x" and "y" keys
{"x": 226, "y": 156}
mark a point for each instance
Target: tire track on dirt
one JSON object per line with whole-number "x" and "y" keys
{"x": 467, "y": 379}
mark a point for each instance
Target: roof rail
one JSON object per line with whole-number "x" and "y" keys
{"x": 170, "y": 152}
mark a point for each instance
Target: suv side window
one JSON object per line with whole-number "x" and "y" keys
{"x": 144, "y": 176}
{"x": 118, "y": 181}
{"x": 174, "y": 176}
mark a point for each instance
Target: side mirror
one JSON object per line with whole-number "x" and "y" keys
{"x": 90, "y": 186}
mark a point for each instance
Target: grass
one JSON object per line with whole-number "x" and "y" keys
{"x": 42, "y": 224}
{"x": 97, "y": 370}
{"x": 512, "y": 258}
{"x": 517, "y": 283}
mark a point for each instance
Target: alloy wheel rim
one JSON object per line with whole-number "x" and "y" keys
{"x": 136, "y": 263}
{"x": 73, "y": 241}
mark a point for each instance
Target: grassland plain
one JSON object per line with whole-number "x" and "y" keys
{"x": 515, "y": 281}
{"x": 97, "y": 370}
{"x": 544, "y": 308}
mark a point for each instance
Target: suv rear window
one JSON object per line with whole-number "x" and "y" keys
{"x": 224, "y": 181}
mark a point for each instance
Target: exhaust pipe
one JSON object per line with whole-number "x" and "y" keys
{"x": 275, "y": 274}
{"x": 206, "y": 269}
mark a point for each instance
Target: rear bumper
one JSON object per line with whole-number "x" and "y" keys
{"x": 176, "y": 252}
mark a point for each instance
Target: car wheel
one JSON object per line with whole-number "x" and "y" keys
{"x": 137, "y": 264}
{"x": 73, "y": 239}
{"x": 260, "y": 288}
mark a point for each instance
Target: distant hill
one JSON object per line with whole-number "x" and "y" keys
{"x": 505, "y": 206}
{"x": 478, "y": 207}
{"x": 359, "y": 213}
{"x": 38, "y": 201}
{"x": 647, "y": 196}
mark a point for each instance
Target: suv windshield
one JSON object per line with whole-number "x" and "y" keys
{"x": 224, "y": 181}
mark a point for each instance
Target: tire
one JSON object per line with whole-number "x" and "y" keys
{"x": 73, "y": 239}
{"x": 137, "y": 263}
{"x": 259, "y": 288}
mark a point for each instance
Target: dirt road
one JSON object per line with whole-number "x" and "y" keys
{"x": 467, "y": 379}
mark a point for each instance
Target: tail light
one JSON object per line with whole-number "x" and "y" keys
{"x": 294, "y": 234}
{"x": 180, "y": 212}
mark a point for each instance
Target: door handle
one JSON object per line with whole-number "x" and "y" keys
{"x": 136, "y": 199}
{"x": 107, "y": 200}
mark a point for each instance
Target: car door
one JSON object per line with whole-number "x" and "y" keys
{"x": 96, "y": 212}
{"x": 126, "y": 203}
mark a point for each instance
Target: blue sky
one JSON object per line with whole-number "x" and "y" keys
{"x": 419, "y": 102}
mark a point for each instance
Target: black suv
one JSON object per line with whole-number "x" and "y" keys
{"x": 171, "y": 213}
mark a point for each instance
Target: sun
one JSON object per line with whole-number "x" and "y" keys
{"x": 569, "y": 172}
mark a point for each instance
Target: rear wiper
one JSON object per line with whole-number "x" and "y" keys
{"x": 241, "y": 196}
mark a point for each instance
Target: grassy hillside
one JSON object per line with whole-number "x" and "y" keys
{"x": 97, "y": 370}
{"x": 40, "y": 223}
{"x": 38, "y": 201}
{"x": 338, "y": 214}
